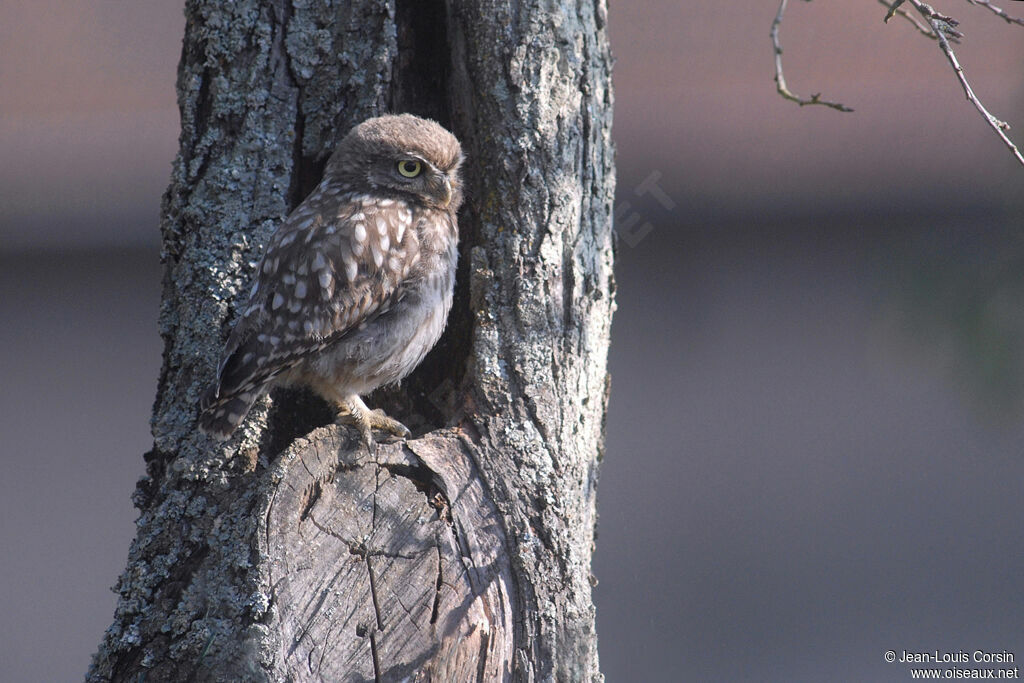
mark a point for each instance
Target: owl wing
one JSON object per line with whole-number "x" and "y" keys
{"x": 319, "y": 279}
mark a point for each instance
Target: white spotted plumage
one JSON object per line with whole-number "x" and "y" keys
{"x": 355, "y": 286}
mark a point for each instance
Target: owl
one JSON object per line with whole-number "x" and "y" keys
{"x": 355, "y": 286}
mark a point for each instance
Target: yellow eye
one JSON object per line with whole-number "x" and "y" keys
{"x": 410, "y": 168}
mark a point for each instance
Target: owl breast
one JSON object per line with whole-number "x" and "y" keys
{"x": 387, "y": 348}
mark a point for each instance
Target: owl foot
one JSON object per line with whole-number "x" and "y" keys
{"x": 354, "y": 412}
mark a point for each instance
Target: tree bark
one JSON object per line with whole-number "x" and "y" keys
{"x": 291, "y": 553}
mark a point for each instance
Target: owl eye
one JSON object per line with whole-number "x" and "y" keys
{"x": 410, "y": 168}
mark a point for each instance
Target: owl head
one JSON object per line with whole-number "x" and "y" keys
{"x": 412, "y": 158}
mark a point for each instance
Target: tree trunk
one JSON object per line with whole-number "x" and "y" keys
{"x": 291, "y": 553}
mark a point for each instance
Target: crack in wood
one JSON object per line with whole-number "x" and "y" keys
{"x": 437, "y": 587}
{"x": 376, "y": 658}
{"x": 267, "y": 516}
{"x": 309, "y": 622}
{"x": 310, "y": 498}
{"x": 354, "y": 547}
{"x": 408, "y": 612}
{"x": 373, "y": 593}
{"x": 481, "y": 670}
{"x": 376, "y": 490}
{"x": 324, "y": 650}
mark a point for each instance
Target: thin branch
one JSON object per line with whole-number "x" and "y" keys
{"x": 893, "y": 8}
{"x": 780, "y": 80}
{"x": 998, "y": 12}
{"x": 923, "y": 28}
{"x": 944, "y": 27}
{"x": 936, "y": 26}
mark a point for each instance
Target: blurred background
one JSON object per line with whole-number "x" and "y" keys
{"x": 816, "y": 428}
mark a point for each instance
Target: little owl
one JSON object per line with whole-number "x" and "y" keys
{"x": 355, "y": 286}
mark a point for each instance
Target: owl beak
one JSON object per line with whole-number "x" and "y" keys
{"x": 445, "y": 191}
{"x": 440, "y": 186}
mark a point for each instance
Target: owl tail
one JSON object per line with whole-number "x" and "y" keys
{"x": 220, "y": 415}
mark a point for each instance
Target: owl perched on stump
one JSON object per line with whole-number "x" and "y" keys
{"x": 355, "y": 286}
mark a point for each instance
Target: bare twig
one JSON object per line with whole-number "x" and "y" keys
{"x": 923, "y": 28}
{"x": 940, "y": 23}
{"x": 936, "y": 26}
{"x": 945, "y": 27}
{"x": 780, "y": 80}
{"x": 998, "y": 12}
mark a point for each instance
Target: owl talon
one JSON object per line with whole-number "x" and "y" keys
{"x": 379, "y": 420}
{"x": 367, "y": 438}
{"x": 365, "y": 432}
{"x": 354, "y": 412}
